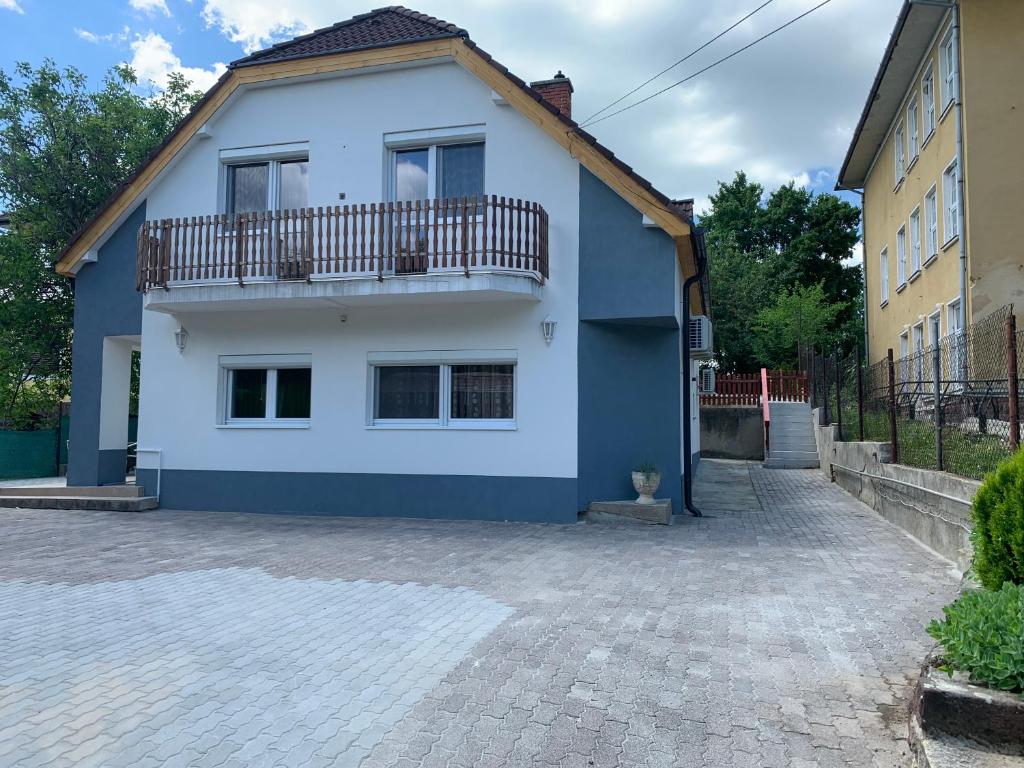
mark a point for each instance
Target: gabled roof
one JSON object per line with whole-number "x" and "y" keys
{"x": 393, "y": 25}
{"x": 914, "y": 30}
{"x": 367, "y": 35}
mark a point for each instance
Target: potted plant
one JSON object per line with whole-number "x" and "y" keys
{"x": 646, "y": 480}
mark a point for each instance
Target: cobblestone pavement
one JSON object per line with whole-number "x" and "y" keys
{"x": 780, "y": 630}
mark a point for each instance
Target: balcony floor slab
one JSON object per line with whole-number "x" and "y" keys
{"x": 341, "y": 292}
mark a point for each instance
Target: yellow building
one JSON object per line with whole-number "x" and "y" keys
{"x": 938, "y": 155}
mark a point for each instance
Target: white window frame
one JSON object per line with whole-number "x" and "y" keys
{"x": 954, "y": 331}
{"x": 444, "y": 360}
{"x": 429, "y": 139}
{"x": 948, "y": 66}
{"x": 931, "y": 224}
{"x": 270, "y": 363}
{"x": 935, "y": 325}
{"x": 901, "y": 257}
{"x": 928, "y": 100}
{"x": 913, "y": 130}
{"x": 899, "y": 153}
{"x": 917, "y": 336}
{"x": 950, "y": 203}
{"x": 883, "y": 275}
{"x": 273, "y": 155}
{"x": 904, "y": 358}
{"x": 915, "y": 243}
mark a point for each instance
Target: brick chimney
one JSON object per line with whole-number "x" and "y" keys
{"x": 557, "y": 92}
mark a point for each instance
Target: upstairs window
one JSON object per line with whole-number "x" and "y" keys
{"x": 267, "y": 186}
{"x": 899, "y": 153}
{"x": 948, "y": 66}
{"x": 901, "y": 257}
{"x": 951, "y": 202}
{"x": 928, "y": 100}
{"x": 883, "y": 275}
{"x": 931, "y": 224}
{"x": 912, "y": 136}
{"x": 439, "y": 171}
{"x": 915, "y": 241}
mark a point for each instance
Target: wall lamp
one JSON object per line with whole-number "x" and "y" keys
{"x": 547, "y": 327}
{"x": 181, "y": 338}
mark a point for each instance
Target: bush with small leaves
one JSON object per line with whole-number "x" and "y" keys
{"x": 998, "y": 534}
{"x": 983, "y": 636}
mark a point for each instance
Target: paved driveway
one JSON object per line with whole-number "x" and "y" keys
{"x": 780, "y": 630}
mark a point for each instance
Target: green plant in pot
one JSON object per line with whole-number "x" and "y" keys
{"x": 646, "y": 479}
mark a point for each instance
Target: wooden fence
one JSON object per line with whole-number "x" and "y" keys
{"x": 745, "y": 388}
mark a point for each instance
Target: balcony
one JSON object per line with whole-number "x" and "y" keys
{"x": 379, "y": 253}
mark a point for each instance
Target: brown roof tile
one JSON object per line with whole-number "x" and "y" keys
{"x": 382, "y": 27}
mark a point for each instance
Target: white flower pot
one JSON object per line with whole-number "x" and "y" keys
{"x": 646, "y": 485}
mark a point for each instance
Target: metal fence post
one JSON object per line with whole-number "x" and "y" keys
{"x": 1011, "y": 381}
{"x": 839, "y": 397}
{"x": 892, "y": 408}
{"x": 860, "y": 396}
{"x": 824, "y": 388}
{"x": 937, "y": 404}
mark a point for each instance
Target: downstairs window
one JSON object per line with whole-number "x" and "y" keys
{"x": 266, "y": 390}
{"x": 443, "y": 390}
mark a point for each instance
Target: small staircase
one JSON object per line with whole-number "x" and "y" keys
{"x": 791, "y": 443}
{"x": 108, "y": 498}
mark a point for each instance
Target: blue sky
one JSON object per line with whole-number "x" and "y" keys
{"x": 782, "y": 111}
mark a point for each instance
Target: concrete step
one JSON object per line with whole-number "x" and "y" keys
{"x": 949, "y": 752}
{"x": 94, "y": 503}
{"x": 658, "y": 513}
{"x": 104, "y": 491}
{"x": 774, "y": 407}
{"x": 777, "y": 453}
{"x": 794, "y": 445}
{"x": 773, "y": 463}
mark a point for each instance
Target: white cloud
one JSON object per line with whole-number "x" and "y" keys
{"x": 154, "y": 60}
{"x": 255, "y": 25}
{"x": 96, "y": 39}
{"x": 11, "y": 5}
{"x": 784, "y": 107}
{"x": 857, "y": 254}
{"x": 152, "y": 7}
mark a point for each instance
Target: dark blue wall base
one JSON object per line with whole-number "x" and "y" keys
{"x": 467, "y": 497}
{"x": 111, "y": 467}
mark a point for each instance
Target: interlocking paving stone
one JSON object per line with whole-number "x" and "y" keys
{"x": 780, "y": 629}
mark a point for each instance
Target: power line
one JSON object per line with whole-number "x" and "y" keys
{"x": 710, "y": 66}
{"x": 688, "y": 56}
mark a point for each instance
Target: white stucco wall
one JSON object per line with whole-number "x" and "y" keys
{"x": 344, "y": 119}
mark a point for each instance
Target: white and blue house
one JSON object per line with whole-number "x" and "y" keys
{"x": 375, "y": 273}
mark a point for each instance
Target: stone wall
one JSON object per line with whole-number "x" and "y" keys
{"x": 732, "y": 432}
{"x": 933, "y": 507}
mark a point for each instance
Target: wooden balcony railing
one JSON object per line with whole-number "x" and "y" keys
{"x": 376, "y": 241}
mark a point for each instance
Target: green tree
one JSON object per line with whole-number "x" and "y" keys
{"x": 762, "y": 247}
{"x": 799, "y": 316}
{"x": 64, "y": 149}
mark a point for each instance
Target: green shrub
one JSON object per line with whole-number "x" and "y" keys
{"x": 998, "y": 534}
{"x": 983, "y": 635}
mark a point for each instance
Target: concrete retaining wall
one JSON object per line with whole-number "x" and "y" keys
{"x": 933, "y": 507}
{"x": 732, "y": 432}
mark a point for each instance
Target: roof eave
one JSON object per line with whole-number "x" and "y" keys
{"x": 883, "y": 66}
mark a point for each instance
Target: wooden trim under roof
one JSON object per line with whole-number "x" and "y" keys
{"x": 583, "y": 147}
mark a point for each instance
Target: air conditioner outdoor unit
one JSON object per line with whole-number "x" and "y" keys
{"x": 701, "y": 345}
{"x": 706, "y": 381}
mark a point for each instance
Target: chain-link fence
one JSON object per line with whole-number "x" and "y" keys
{"x": 952, "y": 406}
